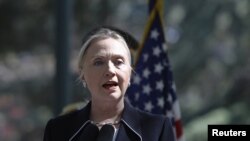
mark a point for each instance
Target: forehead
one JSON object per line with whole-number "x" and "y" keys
{"x": 108, "y": 46}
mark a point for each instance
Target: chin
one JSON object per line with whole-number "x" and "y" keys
{"x": 116, "y": 96}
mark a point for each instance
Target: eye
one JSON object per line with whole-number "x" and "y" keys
{"x": 98, "y": 62}
{"x": 119, "y": 62}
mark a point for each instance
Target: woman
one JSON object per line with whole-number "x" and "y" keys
{"x": 105, "y": 69}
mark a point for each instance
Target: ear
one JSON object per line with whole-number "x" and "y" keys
{"x": 81, "y": 75}
{"x": 84, "y": 83}
{"x": 83, "y": 80}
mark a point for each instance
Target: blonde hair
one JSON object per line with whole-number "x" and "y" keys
{"x": 95, "y": 35}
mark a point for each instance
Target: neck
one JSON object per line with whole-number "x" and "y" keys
{"x": 103, "y": 113}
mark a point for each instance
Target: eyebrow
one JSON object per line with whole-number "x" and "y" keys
{"x": 96, "y": 56}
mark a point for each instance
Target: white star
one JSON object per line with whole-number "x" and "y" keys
{"x": 145, "y": 57}
{"x": 160, "y": 102}
{"x": 154, "y": 34}
{"x": 170, "y": 99}
{"x": 147, "y": 89}
{"x": 148, "y": 106}
{"x": 137, "y": 79}
{"x": 159, "y": 85}
{"x": 158, "y": 68}
{"x": 146, "y": 73}
{"x": 156, "y": 51}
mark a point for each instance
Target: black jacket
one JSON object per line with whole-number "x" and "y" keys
{"x": 135, "y": 126}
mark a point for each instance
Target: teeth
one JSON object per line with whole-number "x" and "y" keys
{"x": 109, "y": 85}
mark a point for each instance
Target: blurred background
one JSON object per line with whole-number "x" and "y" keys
{"x": 209, "y": 50}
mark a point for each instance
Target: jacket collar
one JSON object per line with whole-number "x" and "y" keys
{"x": 130, "y": 119}
{"x": 83, "y": 119}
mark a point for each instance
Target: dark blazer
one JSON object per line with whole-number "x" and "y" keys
{"x": 135, "y": 125}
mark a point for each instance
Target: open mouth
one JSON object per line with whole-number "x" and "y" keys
{"x": 110, "y": 85}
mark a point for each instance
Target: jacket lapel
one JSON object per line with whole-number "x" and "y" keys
{"x": 129, "y": 130}
{"x": 130, "y": 127}
{"x": 81, "y": 121}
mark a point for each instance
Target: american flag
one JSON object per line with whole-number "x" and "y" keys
{"x": 152, "y": 86}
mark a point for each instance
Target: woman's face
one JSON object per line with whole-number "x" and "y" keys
{"x": 107, "y": 69}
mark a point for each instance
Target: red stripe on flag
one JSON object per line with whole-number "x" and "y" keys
{"x": 178, "y": 128}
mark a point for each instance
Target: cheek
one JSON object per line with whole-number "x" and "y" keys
{"x": 91, "y": 77}
{"x": 126, "y": 76}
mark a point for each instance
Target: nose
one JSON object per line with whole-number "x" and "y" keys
{"x": 110, "y": 69}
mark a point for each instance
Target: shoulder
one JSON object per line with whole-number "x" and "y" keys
{"x": 64, "y": 126}
{"x": 154, "y": 126}
{"x": 70, "y": 119}
{"x": 70, "y": 116}
{"x": 154, "y": 119}
{"x": 61, "y": 122}
{"x": 134, "y": 114}
{"x": 64, "y": 117}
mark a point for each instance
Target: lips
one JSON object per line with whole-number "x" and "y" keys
{"x": 110, "y": 84}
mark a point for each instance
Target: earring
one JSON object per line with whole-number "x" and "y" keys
{"x": 84, "y": 84}
{"x": 128, "y": 83}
